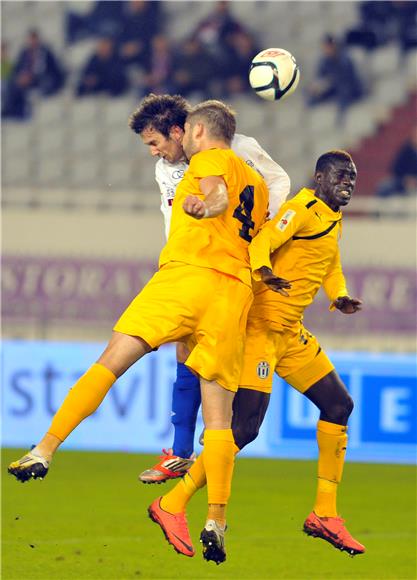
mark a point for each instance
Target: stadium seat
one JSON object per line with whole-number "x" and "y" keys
{"x": 411, "y": 68}
{"x": 77, "y": 55}
{"x": 116, "y": 112}
{"x": 322, "y": 118}
{"x": 84, "y": 172}
{"x": 51, "y": 170}
{"x": 384, "y": 61}
{"x": 50, "y": 112}
{"x": 360, "y": 122}
{"x": 390, "y": 90}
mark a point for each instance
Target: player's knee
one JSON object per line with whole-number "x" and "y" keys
{"x": 244, "y": 434}
{"x": 340, "y": 411}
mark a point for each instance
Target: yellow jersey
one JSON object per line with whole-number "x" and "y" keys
{"x": 301, "y": 245}
{"x": 222, "y": 242}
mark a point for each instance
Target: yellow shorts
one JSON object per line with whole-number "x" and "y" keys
{"x": 200, "y": 306}
{"x": 294, "y": 354}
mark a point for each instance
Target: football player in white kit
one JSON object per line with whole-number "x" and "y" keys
{"x": 159, "y": 120}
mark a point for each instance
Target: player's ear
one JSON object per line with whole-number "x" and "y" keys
{"x": 318, "y": 176}
{"x": 198, "y": 130}
{"x": 176, "y": 133}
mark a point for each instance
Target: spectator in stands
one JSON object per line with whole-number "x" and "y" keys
{"x": 6, "y": 69}
{"x": 140, "y": 23}
{"x": 6, "y": 75}
{"x": 36, "y": 67}
{"x": 406, "y": 16}
{"x": 194, "y": 70}
{"x": 158, "y": 79}
{"x": 6, "y": 63}
{"x": 376, "y": 26}
{"x": 214, "y": 31}
{"x": 104, "y": 72}
{"x": 104, "y": 19}
{"x": 239, "y": 58}
{"x": 336, "y": 78}
{"x": 403, "y": 178}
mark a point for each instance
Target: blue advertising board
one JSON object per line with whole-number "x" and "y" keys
{"x": 135, "y": 416}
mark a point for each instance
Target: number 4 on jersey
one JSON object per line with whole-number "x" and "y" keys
{"x": 243, "y": 212}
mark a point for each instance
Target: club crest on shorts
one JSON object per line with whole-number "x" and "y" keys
{"x": 262, "y": 370}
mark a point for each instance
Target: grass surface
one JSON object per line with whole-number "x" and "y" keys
{"x": 88, "y": 519}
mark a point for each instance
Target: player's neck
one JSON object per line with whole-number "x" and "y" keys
{"x": 212, "y": 144}
{"x": 331, "y": 204}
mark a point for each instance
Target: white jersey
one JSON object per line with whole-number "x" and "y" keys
{"x": 168, "y": 176}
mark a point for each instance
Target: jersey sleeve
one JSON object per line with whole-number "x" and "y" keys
{"x": 334, "y": 283}
{"x": 290, "y": 219}
{"x": 167, "y": 191}
{"x": 277, "y": 180}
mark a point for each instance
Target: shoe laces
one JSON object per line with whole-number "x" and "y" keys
{"x": 213, "y": 526}
{"x": 166, "y": 453}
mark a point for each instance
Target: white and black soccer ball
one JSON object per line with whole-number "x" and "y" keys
{"x": 274, "y": 74}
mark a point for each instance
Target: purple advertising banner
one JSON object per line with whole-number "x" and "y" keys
{"x": 98, "y": 290}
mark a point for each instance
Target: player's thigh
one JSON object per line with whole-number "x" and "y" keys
{"x": 304, "y": 362}
{"x": 218, "y": 341}
{"x": 169, "y": 306}
{"x": 216, "y": 405}
{"x": 122, "y": 352}
{"x": 182, "y": 352}
{"x": 260, "y": 356}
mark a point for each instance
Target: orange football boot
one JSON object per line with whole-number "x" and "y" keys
{"x": 174, "y": 526}
{"x": 333, "y": 531}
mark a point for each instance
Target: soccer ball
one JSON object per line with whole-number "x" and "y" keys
{"x": 274, "y": 74}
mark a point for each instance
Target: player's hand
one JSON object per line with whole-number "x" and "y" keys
{"x": 274, "y": 282}
{"x": 194, "y": 206}
{"x": 347, "y": 305}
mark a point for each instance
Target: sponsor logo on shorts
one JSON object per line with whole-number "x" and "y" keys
{"x": 262, "y": 370}
{"x": 285, "y": 220}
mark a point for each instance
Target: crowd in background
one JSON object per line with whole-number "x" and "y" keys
{"x": 135, "y": 54}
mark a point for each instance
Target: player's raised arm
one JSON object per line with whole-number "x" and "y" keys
{"x": 215, "y": 202}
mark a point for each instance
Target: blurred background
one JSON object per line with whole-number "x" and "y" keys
{"x": 82, "y": 228}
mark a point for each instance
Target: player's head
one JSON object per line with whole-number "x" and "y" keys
{"x": 210, "y": 122}
{"x": 159, "y": 120}
{"x": 335, "y": 178}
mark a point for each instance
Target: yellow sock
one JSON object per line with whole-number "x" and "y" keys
{"x": 82, "y": 400}
{"x": 176, "y": 500}
{"x": 219, "y": 455}
{"x": 332, "y": 442}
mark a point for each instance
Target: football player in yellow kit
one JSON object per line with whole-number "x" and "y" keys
{"x": 292, "y": 256}
{"x": 201, "y": 295}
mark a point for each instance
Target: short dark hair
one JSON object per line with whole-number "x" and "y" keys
{"x": 161, "y": 112}
{"x": 220, "y": 119}
{"x": 330, "y": 157}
